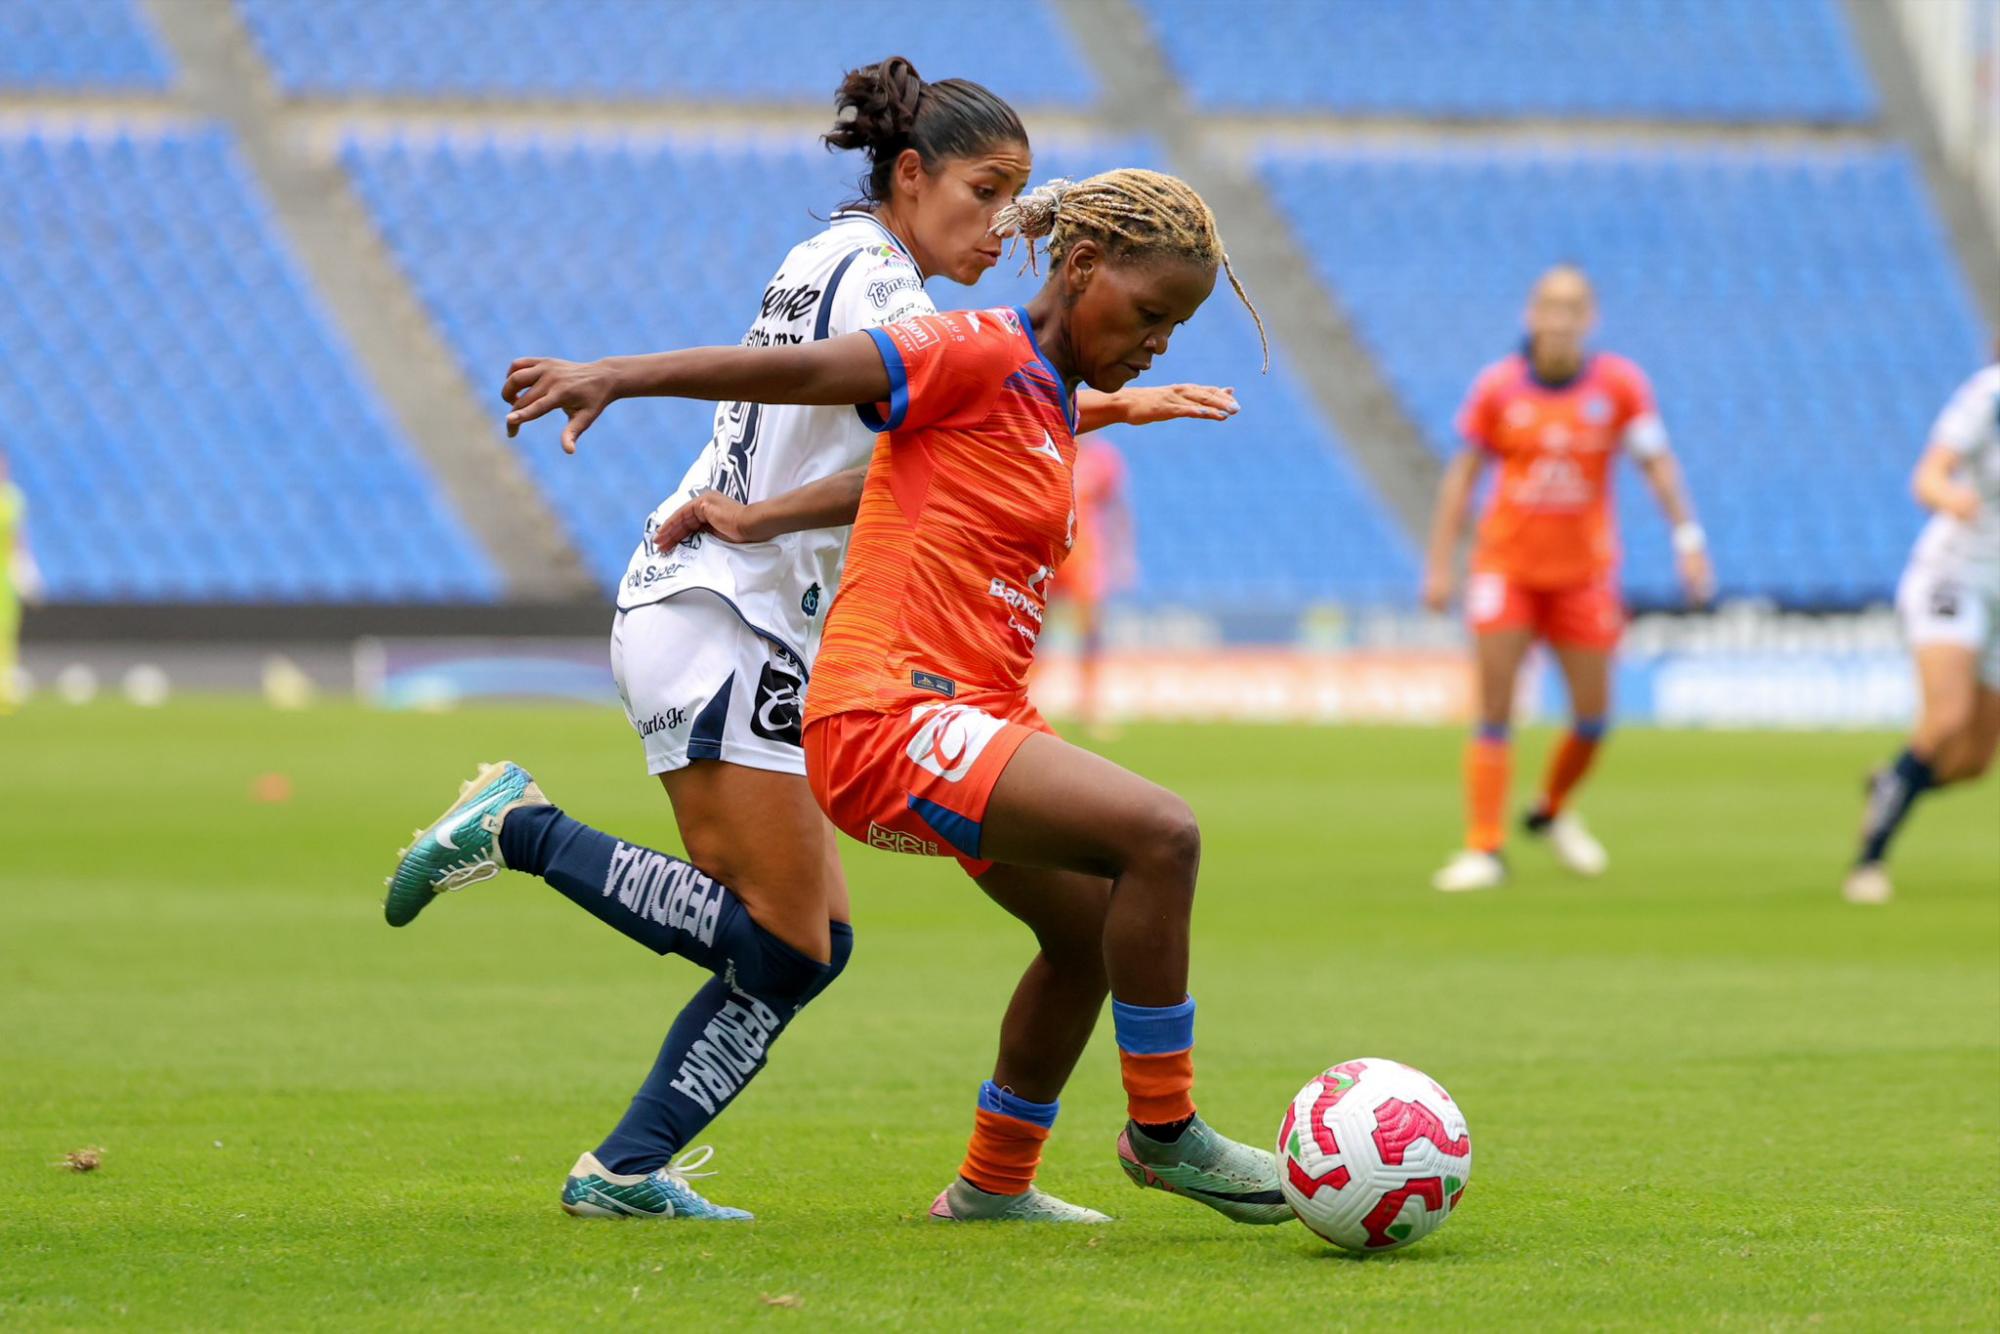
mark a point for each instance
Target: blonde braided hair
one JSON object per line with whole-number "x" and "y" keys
{"x": 1128, "y": 211}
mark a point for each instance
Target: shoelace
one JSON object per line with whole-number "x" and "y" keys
{"x": 683, "y": 1166}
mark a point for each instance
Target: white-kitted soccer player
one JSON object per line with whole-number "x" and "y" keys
{"x": 1949, "y": 601}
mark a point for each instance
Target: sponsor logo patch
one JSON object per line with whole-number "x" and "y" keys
{"x": 895, "y": 840}
{"x": 779, "y": 713}
{"x": 673, "y": 720}
{"x": 950, "y": 738}
{"x": 936, "y": 685}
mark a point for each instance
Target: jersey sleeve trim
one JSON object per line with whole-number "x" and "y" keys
{"x": 899, "y": 386}
{"x": 1069, "y": 407}
{"x": 824, "y": 319}
{"x": 1646, "y": 436}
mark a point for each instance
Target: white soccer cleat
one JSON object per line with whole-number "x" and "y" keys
{"x": 1868, "y": 883}
{"x": 963, "y": 1202}
{"x": 1470, "y": 870}
{"x": 1575, "y": 846}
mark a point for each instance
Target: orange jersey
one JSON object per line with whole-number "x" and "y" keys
{"x": 969, "y": 509}
{"x": 1549, "y": 523}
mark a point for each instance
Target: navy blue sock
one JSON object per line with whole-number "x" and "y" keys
{"x": 660, "y": 901}
{"x": 1890, "y": 797}
{"x": 718, "y": 1043}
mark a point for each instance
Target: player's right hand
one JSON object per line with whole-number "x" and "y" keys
{"x": 536, "y": 385}
{"x": 709, "y": 512}
{"x": 1437, "y": 589}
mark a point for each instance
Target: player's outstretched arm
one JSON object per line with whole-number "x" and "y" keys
{"x": 831, "y": 502}
{"x": 842, "y": 370}
{"x": 1936, "y": 486}
{"x": 1663, "y": 475}
{"x": 1448, "y": 522}
{"x": 1158, "y": 403}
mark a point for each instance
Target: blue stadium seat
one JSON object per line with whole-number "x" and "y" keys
{"x": 746, "y": 51}
{"x": 188, "y": 426}
{"x": 1732, "y": 60}
{"x": 665, "y": 243}
{"x": 1800, "y": 314}
{"x": 81, "y": 46}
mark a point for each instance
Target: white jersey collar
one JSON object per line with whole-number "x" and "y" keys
{"x": 863, "y": 215}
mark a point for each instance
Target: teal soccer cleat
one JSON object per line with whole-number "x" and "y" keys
{"x": 593, "y": 1191}
{"x": 463, "y": 846}
{"x": 1235, "y": 1180}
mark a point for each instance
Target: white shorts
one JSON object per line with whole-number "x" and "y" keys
{"x": 699, "y": 684}
{"x": 1939, "y": 608}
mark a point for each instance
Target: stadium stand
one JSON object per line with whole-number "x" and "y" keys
{"x": 189, "y": 428}
{"x": 649, "y": 245}
{"x": 80, "y": 46}
{"x": 1714, "y": 60}
{"x": 1800, "y": 313}
{"x": 748, "y": 51}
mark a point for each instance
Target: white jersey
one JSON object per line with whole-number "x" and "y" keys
{"x": 854, "y": 275}
{"x": 1969, "y": 426}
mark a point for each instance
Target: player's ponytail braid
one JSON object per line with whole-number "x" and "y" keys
{"x": 1129, "y": 212}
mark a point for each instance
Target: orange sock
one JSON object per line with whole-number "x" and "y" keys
{"x": 1568, "y": 766}
{"x": 1003, "y": 1154}
{"x": 1159, "y": 1090}
{"x": 1487, "y": 763}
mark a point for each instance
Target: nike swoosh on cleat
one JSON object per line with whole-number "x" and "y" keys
{"x": 613, "y": 1202}
{"x": 1244, "y": 1197}
{"x": 447, "y": 828}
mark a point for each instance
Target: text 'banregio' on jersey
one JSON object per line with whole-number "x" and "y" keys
{"x": 969, "y": 510}
{"x": 855, "y": 275}
{"x": 1549, "y": 523}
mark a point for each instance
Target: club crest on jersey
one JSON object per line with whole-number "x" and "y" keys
{"x": 1597, "y": 409}
{"x": 950, "y": 738}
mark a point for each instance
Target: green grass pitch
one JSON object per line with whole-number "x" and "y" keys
{"x": 1703, "y": 1091}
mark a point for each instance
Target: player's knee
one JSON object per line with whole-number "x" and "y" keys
{"x": 762, "y": 964}
{"x": 1171, "y": 843}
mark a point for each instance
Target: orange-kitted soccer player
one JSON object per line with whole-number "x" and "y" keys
{"x": 1553, "y": 418}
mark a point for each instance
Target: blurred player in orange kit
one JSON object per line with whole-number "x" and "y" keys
{"x": 1101, "y": 564}
{"x": 1554, "y": 416}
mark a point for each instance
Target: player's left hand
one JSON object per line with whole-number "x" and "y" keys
{"x": 1697, "y": 577}
{"x": 535, "y": 385}
{"x": 1168, "y": 402}
{"x": 709, "y": 512}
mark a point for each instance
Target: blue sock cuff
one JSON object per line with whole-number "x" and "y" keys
{"x": 1497, "y": 732}
{"x": 1916, "y": 774}
{"x": 1006, "y": 1102}
{"x": 1591, "y": 729}
{"x": 1149, "y": 1030}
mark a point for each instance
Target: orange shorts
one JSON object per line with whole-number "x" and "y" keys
{"x": 918, "y": 780}
{"x": 1586, "y": 615}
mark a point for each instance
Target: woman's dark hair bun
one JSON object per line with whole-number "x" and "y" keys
{"x": 876, "y": 107}
{"x": 885, "y": 108}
